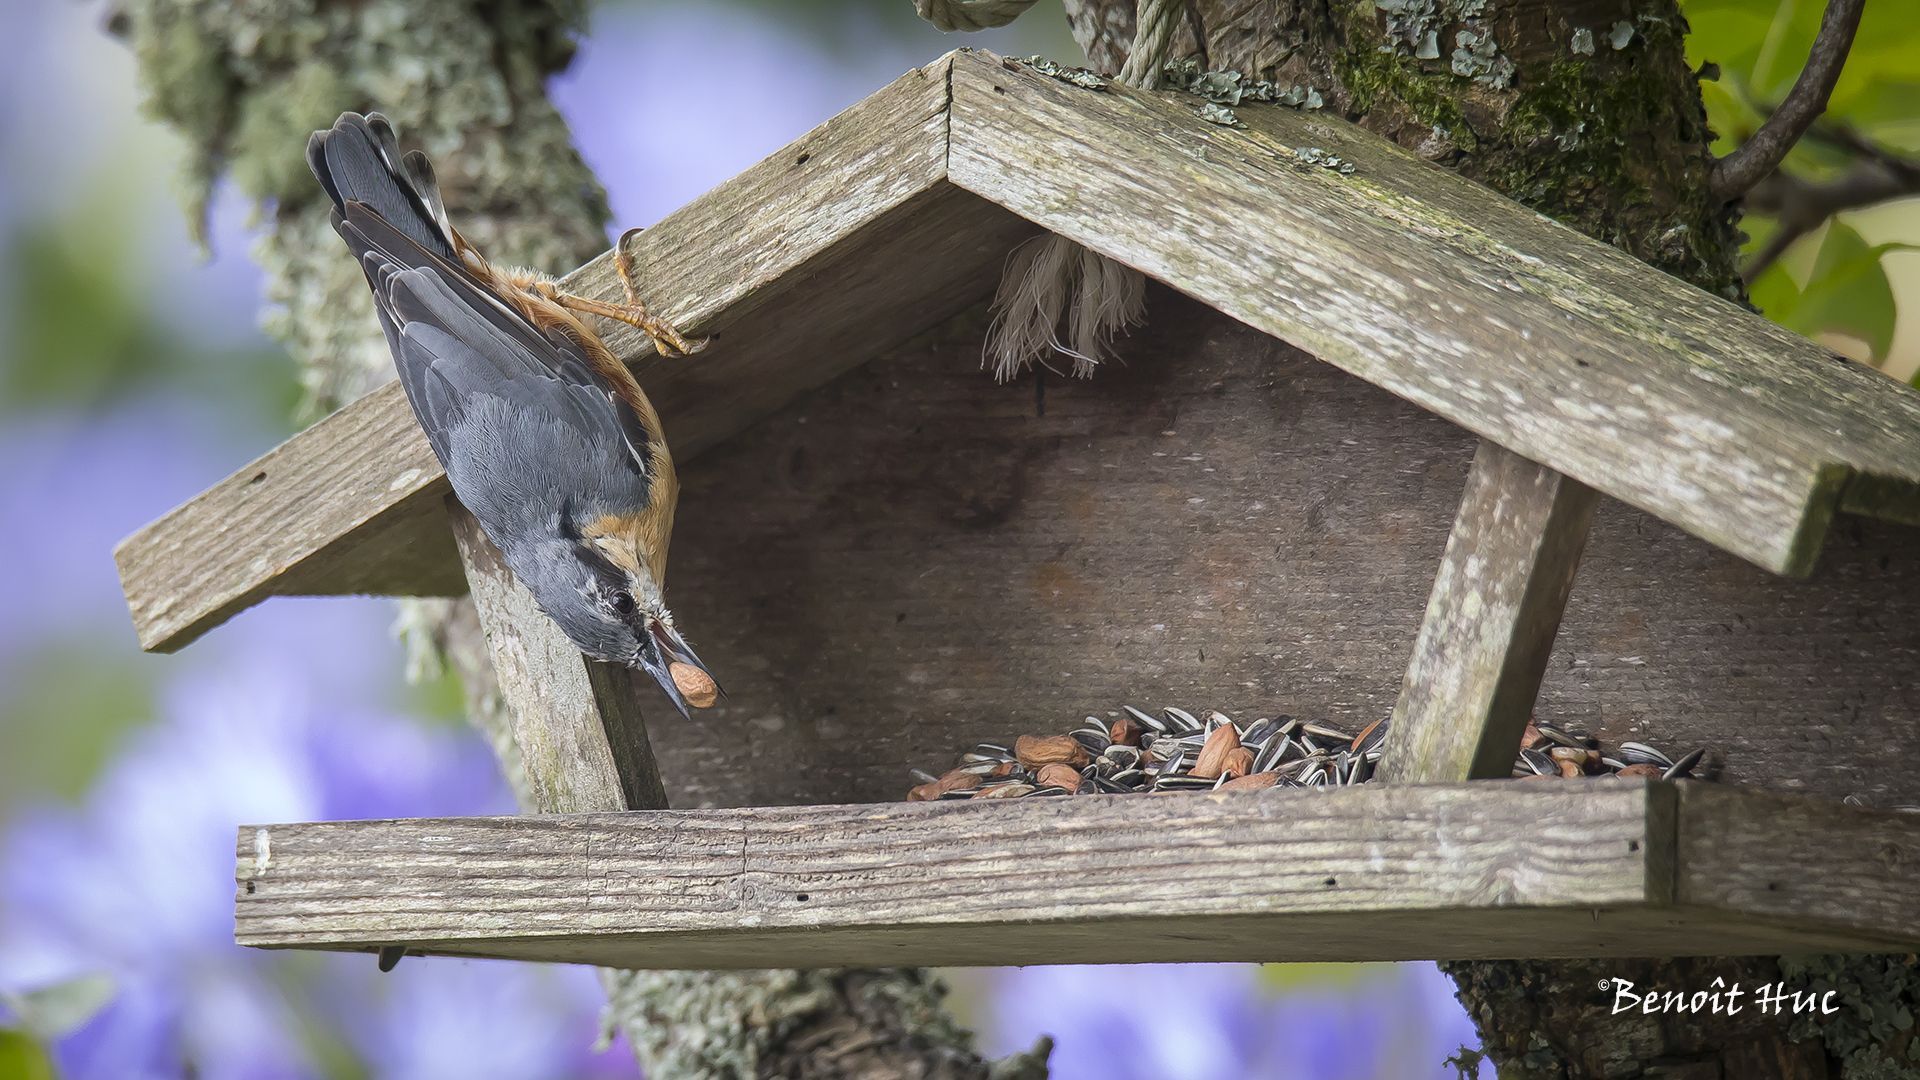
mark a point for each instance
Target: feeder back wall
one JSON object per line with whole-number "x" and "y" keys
{"x": 908, "y": 560}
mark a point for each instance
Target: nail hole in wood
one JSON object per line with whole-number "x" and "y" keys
{"x": 802, "y": 897}
{"x": 803, "y": 159}
{"x": 257, "y": 477}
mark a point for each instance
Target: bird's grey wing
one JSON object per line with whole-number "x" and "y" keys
{"x": 455, "y": 343}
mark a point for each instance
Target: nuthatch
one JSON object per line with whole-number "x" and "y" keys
{"x": 546, "y": 437}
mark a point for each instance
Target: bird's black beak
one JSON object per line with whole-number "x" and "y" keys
{"x": 679, "y": 671}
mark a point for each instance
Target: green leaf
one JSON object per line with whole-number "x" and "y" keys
{"x": 1775, "y": 294}
{"x": 1847, "y": 292}
{"x": 53, "y": 1011}
{"x": 22, "y": 1058}
{"x": 1761, "y": 47}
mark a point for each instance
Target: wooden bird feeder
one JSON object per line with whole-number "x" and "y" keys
{"x": 887, "y": 557}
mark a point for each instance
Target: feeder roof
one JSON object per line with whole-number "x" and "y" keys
{"x": 900, "y": 211}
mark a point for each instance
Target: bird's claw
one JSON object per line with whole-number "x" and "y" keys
{"x": 667, "y": 340}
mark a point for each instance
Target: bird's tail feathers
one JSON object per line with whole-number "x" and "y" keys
{"x": 359, "y": 160}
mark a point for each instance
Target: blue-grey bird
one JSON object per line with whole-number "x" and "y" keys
{"x": 546, "y": 437}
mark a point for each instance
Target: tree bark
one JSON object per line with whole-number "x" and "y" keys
{"x": 1586, "y": 111}
{"x": 244, "y": 84}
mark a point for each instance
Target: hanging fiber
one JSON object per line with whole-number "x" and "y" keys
{"x": 1050, "y": 281}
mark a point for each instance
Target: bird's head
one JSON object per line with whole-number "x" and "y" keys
{"x": 614, "y": 610}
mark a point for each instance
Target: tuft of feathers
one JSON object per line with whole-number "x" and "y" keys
{"x": 1052, "y": 284}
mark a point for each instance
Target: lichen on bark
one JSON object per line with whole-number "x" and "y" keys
{"x": 243, "y": 84}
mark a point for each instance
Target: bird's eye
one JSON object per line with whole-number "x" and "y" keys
{"x": 623, "y": 603}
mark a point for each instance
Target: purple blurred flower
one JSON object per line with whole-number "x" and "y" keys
{"x": 139, "y": 884}
{"x": 97, "y": 478}
{"x": 280, "y": 716}
{"x": 1168, "y": 1022}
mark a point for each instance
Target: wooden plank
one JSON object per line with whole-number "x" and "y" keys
{"x": 909, "y": 560}
{"x": 1808, "y": 861}
{"x": 350, "y": 505}
{"x": 1490, "y": 622}
{"x": 1560, "y": 348}
{"x": 1490, "y": 869}
{"x": 576, "y": 721}
{"x": 804, "y": 266}
{"x": 950, "y": 869}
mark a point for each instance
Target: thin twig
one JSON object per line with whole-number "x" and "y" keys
{"x": 1801, "y": 206}
{"x": 1757, "y": 158}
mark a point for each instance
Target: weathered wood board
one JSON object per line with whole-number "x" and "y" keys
{"x": 1378, "y": 872}
{"x": 909, "y": 560}
{"x": 1490, "y": 623}
{"x": 1544, "y": 341}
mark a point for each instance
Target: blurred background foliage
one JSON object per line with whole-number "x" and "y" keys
{"x": 132, "y": 374}
{"x": 1835, "y": 277}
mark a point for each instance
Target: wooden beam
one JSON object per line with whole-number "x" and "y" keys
{"x": 827, "y": 253}
{"x": 1561, "y": 348}
{"x": 1491, "y": 620}
{"x": 1488, "y": 869}
{"x": 576, "y": 721}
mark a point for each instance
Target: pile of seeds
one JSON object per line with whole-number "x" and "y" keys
{"x": 1178, "y": 751}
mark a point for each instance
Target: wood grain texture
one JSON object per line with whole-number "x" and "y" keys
{"x": 909, "y": 560}
{"x": 1819, "y": 863}
{"x": 1560, "y": 348}
{"x": 1491, "y": 869}
{"x": 1490, "y": 622}
{"x": 350, "y": 505}
{"x": 576, "y": 721}
{"x": 804, "y": 266}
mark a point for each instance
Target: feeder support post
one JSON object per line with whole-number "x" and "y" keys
{"x": 576, "y": 721}
{"x": 1490, "y": 623}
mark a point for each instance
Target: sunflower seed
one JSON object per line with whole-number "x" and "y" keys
{"x": 1684, "y": 767}
{"x": 1094, "y": 739}
{"x": 1281, "y": 750}
{"x": 1151, "y": 723}
{"x": 1539, "y": 763}
{"x": 1181, "y": 720}
{"x": 1562, "y": 737}
{"x": 1635, "y": 753}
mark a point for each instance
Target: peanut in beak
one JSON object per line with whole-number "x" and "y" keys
{"x": 694, "y": 685}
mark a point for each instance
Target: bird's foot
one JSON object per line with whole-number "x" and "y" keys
{"x": 667, "y": 339}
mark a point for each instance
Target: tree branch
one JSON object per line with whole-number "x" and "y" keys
{"x": 1802, "y": 205}
{"x": 1758, "y": 157}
